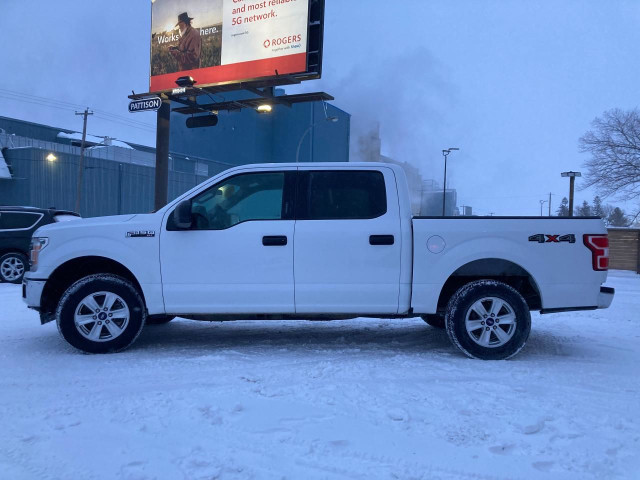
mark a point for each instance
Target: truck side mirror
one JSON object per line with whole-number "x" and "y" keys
{"x": 182, "y": 215}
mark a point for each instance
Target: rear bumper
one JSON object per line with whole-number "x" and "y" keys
{"x": 32, "y": 292}
{"x": 606, "y": 297}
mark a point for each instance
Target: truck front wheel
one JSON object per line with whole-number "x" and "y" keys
{"x": 101, "y": 314}
{"x": 488, "y": 320}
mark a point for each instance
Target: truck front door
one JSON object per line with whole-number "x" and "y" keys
{"x": 237, "y": 257}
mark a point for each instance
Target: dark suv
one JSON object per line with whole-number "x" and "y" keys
{"x": 17, "y": 225}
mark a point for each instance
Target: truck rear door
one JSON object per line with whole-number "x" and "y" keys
{"x": 347, "y": 241}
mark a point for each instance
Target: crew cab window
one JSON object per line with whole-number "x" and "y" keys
{"x": 253, "y": 196}
{"x": 341, "y": 195}
{"x": 18, "y": 220}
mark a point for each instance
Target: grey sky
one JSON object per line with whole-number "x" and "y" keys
{"x": 514, "y": 84}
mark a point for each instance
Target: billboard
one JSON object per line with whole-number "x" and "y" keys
{"x": 223, "y": 41}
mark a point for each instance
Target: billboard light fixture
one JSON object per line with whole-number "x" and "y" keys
{"x": 187, "y": 81}
{"x": 266, "y": 108}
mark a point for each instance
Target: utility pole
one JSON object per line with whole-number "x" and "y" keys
{"x": 85, "y": 114}
{"x": 572, "y": 181}
{"x": 549, "y": 203}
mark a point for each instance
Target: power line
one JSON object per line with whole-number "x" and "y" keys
{"x": 68, "y": 106}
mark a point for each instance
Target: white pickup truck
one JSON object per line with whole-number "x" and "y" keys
{"x": 318, "y": 241}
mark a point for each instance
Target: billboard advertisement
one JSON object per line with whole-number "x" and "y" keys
{"x": 222, "y": 41}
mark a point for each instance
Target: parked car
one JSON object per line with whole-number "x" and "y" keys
{"x": 17, "y": 224}
{"x": 315, "y": 241}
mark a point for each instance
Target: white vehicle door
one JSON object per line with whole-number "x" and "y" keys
{"x": 347, "y": 241}
{"x": 237, "y": 257}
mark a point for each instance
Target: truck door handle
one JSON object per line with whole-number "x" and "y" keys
{"x": 381, "y": 240}
{"x": 275, "y": 241}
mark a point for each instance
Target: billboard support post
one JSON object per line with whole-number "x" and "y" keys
{"x": 161, "y": 196}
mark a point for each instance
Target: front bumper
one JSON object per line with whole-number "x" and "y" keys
{"x": 606, "y": 297}
{"x": 32, "y": 292}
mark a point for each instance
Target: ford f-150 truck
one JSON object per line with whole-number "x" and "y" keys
{"x": 318, "y": 241}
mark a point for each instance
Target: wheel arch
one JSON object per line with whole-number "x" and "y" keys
{"x": 73, "y": 270}
{"x": 499, "y": 269}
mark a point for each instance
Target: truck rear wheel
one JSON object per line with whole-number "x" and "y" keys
{"x": 101, "y": 314}
{"x": 434, "y": 320}
{"x": 488, "y": 320}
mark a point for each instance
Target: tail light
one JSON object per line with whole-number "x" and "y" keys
{"x": 599, "y": 246}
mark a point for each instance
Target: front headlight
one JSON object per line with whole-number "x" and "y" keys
{"x": 37, "y": 245}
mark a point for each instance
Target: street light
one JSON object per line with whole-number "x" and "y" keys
{"x": 327, "y": 119}
{"x": 446, "y": 153}
{"x": 572, "y": 181}
{"x": 542, "y": 202}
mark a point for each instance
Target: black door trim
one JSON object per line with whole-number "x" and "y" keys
{"x": 274, "y": 241}
{"x": 382, "y": 240}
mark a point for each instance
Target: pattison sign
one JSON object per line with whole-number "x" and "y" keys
{"x": 145, "y": 105}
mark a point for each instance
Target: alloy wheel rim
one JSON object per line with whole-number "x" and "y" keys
{"x": 491, "y": 322}
{"x": 12, "y": 268}
{"x": 101, "y": 316}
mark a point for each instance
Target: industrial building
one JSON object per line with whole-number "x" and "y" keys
{"x": 303, "y": 132}
{"x": 39, "y": 163}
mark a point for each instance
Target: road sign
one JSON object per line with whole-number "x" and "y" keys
{"x": 145, "y": 105}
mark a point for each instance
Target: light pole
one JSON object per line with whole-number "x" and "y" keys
{"x": 327, "y": 119}
{"x": 572, "y": 181}
{"x": 446, "y": 153}
{"x": 542, "y": 202}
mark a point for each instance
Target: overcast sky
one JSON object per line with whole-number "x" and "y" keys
{"x": 513, "y": 83}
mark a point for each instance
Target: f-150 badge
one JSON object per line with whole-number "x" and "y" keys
{"x": 141, "y": 234}
{"x": 544, "y": 238}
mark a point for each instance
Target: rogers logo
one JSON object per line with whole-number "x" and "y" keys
{"x": 282, "y": 41}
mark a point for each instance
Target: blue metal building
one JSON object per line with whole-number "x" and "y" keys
{"x": 321, "y": 131}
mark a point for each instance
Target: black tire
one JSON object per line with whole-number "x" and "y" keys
{"x": 482, "y": 343}
{"x": 75, "y": 295}
{"x": 434, "y": 320}
{"x": 159, "y": 319}
{"x": 11, "y": 261}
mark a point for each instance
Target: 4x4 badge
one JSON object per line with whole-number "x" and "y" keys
{"x": 544, "y": 238}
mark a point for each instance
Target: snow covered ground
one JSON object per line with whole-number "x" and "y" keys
{"x": 388, "y": 399}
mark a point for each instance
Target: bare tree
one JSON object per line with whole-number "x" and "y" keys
{"x": 614, "y": 145}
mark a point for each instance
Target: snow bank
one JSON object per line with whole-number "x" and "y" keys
{"x": 308, "y": 400}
